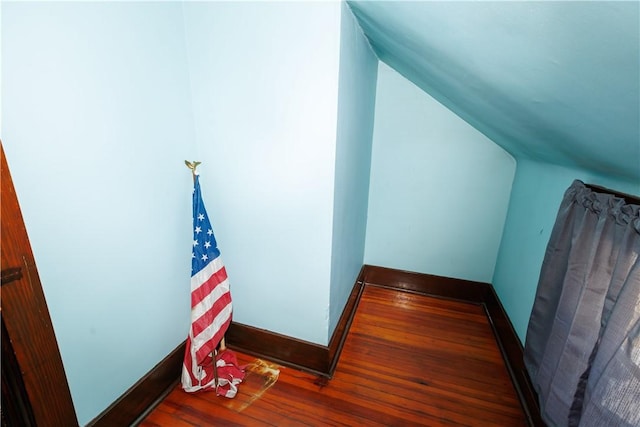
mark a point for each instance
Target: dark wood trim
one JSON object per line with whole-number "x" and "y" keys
{"x": 473, "y": 292}
{"x": 322, "y": 360}
{"x": 513, "y": 355}
{"x": 292, "y": 352}
{"x": 27, "y": 323}
{"x": 342, "y": 328}
{"x": 143, "y": 396}
{"x": 278, "y": 348}
{"x": 426, "y": 284}
{"x": 430, "y": 365}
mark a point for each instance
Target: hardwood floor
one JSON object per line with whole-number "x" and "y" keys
{"x": 408, "y": 359}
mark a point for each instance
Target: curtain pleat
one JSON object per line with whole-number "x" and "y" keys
{"x": 612, "y": 395}
{"x": 588, "y": 285}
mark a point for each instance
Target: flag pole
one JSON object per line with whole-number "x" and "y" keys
{"x": 193, "y": 165}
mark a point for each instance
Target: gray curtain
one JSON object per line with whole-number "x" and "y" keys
{"x": 582, "y": 349}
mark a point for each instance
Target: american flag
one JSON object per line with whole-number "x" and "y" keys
{"x": 210, "y": 303}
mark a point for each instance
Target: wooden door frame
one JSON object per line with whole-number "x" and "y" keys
{"x": 29, "y": 332}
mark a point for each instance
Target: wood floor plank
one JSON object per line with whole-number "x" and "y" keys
{"x": 408, "y": 359}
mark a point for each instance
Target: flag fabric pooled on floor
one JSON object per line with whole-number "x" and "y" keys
{"x": 210, "y": 311}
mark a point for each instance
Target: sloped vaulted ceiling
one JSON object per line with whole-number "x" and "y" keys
{"x": 556, "y": 82}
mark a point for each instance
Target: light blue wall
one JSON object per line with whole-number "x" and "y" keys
{"x": 356, "y": 104}
{"x": 555, "y": 81}
{"x": 265, "y": 96}
{"x": 96, "y": 120}
{"x": 439, "y": 189}
{"x": 537, "y": 192}
{"x": 101, "y": 102}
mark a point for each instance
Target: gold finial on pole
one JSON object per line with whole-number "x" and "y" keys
{"x": 192, "y": 165}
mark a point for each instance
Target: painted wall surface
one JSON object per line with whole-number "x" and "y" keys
{"x": 439, "y": 189}
{"x": 96, "y": 123}
{"x": 555, "y": 81}
{"x": 356, "y": 106}
{"x": 265, "y": 90}
{"x": 537, "y": 193}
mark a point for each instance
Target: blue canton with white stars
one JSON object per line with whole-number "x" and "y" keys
{"x": 205, "y": 248}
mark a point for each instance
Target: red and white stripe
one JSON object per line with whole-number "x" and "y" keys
{"x": 210, "y": 317}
